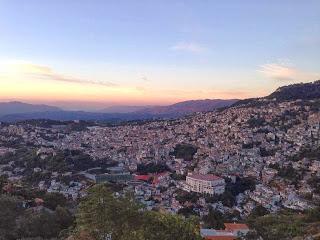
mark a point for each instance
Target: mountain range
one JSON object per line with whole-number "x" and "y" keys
{"x": 7, "y": 108}
{"x": 18, "y": 111}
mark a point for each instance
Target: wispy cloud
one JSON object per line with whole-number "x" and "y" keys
{"x": 47, "y": 73}
{"x": 281, "y": 72}
{"x": 189, "y": 47}
{"x": 145, "y": 79}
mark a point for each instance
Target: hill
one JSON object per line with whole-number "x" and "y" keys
{"x": 188, "y": 107}
{"x": 300, "y": 91}
{"x": 304, "y": 91}
{"x": 74, "y": 115}
{"x": 165, "y": 112}
{"x": 19, "y": 107}
{"x": 122, "y": 109}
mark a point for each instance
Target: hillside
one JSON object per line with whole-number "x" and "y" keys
{"x": 304, "y": 91}
{"x": 188, "y": 107}
{"x": 300, "y": 91}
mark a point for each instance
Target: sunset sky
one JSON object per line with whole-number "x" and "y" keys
{"x": 86, "y": 54}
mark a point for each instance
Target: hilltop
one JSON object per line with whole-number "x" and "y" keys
{"x": 300, "y": 91}
{"x": 303, "y": 91}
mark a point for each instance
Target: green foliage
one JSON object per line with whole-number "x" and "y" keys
{"x": 241, "y": 185}
{"x": 159, "y": 226}
{"x": 10, "y": 208}
{"x": 267, "y": 153}
{"x": 258, "y": 211}
{"x": 53, "y": 200}
{"x": 44, "y": 224}
{"x": 289, "y": 173}
{"x": 152, "y": 168}
{"x": 314, "y": 105}
{"x": 18, "y": 223}
{"x": 101, "y": 214}
{"x": 185, "y": 151}
{"x": 3, "y": 182}
{"x": 177, "y": 177}
{"x": 306, "y": 152}
{"x": 283, "y": 225}
{"x": 39, "y": 224}
{"x": 305, "y": 91}
{"x": 314, "y": 182}
{"x": 187, "y": 212}
{"x": 313, "y": 215}
{"x": 214, "y": 219}
{"x": 256, "y": 122}
{"x": 227, "y": 199}
{"x": 183, "y": 196}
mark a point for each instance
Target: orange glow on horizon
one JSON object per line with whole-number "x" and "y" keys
{"x": 24, "y": 81}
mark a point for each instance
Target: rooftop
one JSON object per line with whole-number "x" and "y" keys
{"x": 207, "y": 177}
{"x": 236, "y": 226}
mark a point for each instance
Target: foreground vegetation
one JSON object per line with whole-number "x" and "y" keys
{"x": 287, "y": 225}
{"x": 102, "y": 214}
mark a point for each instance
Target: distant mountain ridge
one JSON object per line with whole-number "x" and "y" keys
{"x": 171, "y": 111}
{"x": 17, "y": 111}
{"x": 123, "y": 109}
{"x": 188, "y": 107}
{"x": 15, "y": 107}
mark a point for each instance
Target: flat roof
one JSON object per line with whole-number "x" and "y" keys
{"x": 207, "y": 177}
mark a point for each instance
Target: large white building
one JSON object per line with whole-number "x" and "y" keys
{"x": 208, "y": 183}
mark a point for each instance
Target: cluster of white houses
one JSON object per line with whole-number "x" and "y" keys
{"x": 208, "y": 184}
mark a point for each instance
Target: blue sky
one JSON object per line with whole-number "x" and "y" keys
{"x": 157, "y": 51}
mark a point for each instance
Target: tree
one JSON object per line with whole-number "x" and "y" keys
{"x": 10, "y": 208}
{"x": 41, "y": 224}
{"x": 52, "y": 200}
{"x": 152, "y": 168}
{"x": 3, "y": 181}
{"x": 313, "y": 215}
{"x": 101, "y": 215}
{"x": 159, "y": 226}
{"x": 187, "y": 211}
{"x": 227, "y": 199}
{"x": 258, "y": 212}
{"x": 185, "y": 151}
{"x": 283, "y": 225}
{"x": 64, "y": 217}
{"x": 214, "y": 219}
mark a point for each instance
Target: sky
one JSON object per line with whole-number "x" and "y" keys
{"x": 89, "y": 54}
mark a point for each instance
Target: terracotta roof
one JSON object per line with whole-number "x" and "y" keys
{"x": 142, "y": 177}
{"x": 236, "y": 226}
{"x": 207, "y": 177}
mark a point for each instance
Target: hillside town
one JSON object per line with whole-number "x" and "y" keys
{"x": 229, "y": 161}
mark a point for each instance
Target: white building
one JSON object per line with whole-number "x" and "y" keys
{"x": 208, "y": 183}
